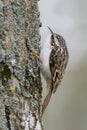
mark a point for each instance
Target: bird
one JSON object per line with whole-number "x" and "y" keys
{"x": 54, "y": 58}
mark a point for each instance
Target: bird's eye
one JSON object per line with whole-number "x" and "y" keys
{"x": 52, "y": 37}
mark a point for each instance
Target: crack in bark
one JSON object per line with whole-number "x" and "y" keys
{"x": 7, "y": 112}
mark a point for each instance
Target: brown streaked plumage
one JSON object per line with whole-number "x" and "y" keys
{"x": 58, "y": 56}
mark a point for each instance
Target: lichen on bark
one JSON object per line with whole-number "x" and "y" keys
{"x": 19, "y": 36}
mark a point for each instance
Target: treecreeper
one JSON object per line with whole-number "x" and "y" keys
{"x": 54, "y": 57}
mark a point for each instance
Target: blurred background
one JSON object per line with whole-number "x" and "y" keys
{"x": 68, "y": 107}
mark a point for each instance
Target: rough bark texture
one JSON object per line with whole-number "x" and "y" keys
{"x": 20, "y": 84}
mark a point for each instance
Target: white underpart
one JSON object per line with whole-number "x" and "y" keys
{"x": 56, "y": 41}
{"x": 44, "y": 56}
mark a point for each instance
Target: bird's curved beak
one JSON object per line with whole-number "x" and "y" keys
{"x": 50, "y": 30}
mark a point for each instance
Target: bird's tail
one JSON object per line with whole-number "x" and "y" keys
{"x": 46, "y": 101}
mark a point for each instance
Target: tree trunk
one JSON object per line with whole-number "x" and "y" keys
{"x": 20, "y": 83}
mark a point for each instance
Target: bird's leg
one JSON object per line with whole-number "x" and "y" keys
{"x": 46, "y": 101}
{"x": 36, "y": 54}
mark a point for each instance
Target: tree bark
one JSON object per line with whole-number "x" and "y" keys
{"x": 20, "y": 83}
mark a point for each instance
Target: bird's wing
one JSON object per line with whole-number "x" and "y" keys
{"x": 55, "y": 63}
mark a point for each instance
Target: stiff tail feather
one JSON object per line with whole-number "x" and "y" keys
{"x": 46, "y": 101}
